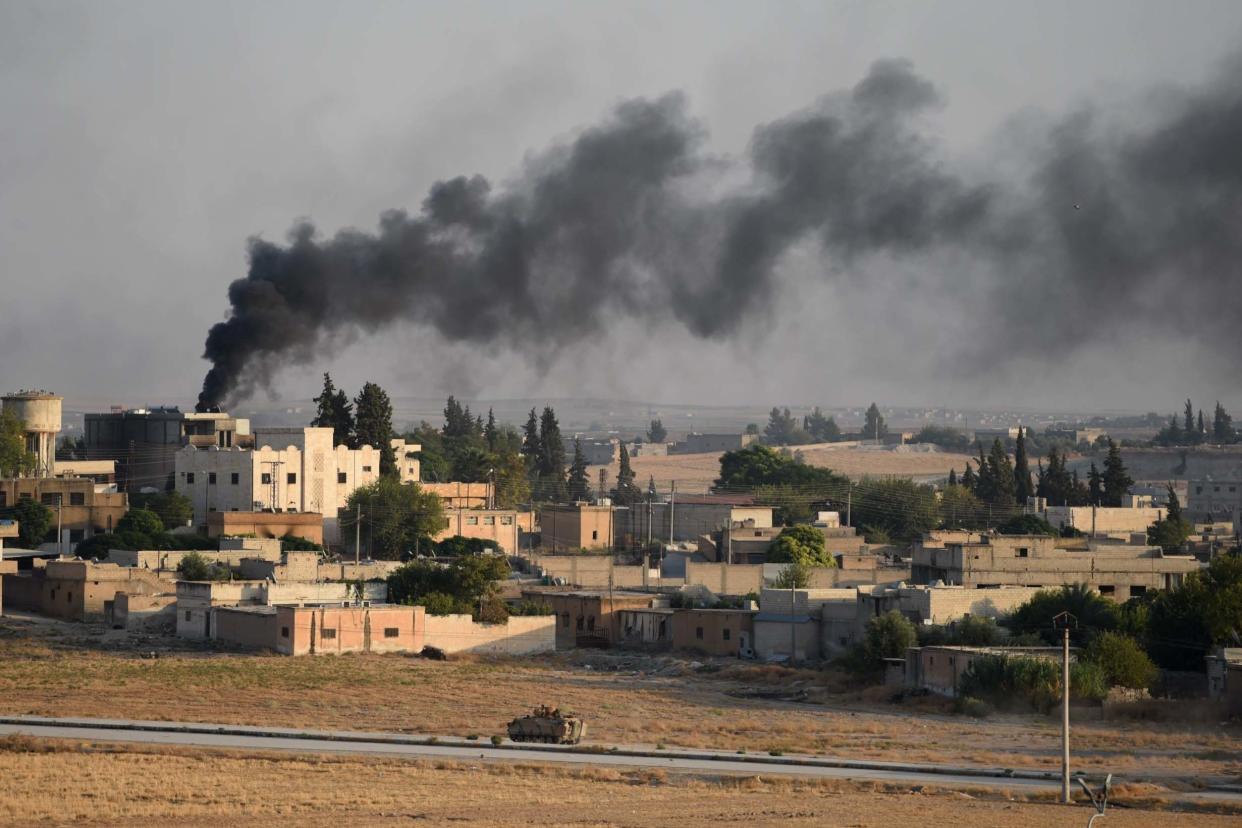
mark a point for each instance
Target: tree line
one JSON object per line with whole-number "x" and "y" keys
{"x": 1192, "y": 430}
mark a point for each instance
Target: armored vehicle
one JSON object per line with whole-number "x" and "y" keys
{"x": 549, "y": 725}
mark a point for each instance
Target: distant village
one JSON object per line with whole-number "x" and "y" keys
{"x": 477, "y": 536}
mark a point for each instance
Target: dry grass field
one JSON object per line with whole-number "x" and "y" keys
{"x": 51, "y": 671}
{"x": 696, "y": 472}
{"x": 65, "y": 783}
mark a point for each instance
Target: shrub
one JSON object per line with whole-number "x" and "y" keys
{"x": 800, "y": 544}
{"x": 795, "y": 575}
{"x": 440, "y": 603}
{"x": 493, "y": 610}
{"x": 497, "y": 740}
{"x": 1088, "y": 681}
{"x": 532, "y": 606}
{"x": 142, "y": 521}
{"x": 1122, "y": 661}
{"x": 1027, "y": 525}
{"x": 888, "y": 636}
{"x": 976, "y": 631}
{"x": 970, "y": 706}
{"x": 195, "y": 567}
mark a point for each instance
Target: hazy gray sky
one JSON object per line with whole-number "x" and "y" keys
{"x": 141, "y": 144}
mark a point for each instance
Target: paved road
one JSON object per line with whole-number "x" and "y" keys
{"x": 197, "y": 734}
{"x": 405, "y": 745}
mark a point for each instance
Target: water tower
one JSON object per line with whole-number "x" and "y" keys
{"x": 40, "y": 411}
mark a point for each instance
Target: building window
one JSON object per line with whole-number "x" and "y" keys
{"x": 211, "y": 478}
{"x": 76, "y": 535}
{"x": 591, "y": 622}
{"x": 266, "y": 479}
{"x": 1137, "y": 589}
{"x": 187, "y": 615}
{"x": 49, "y": 499}
{"x": 1107, "y": 589}
{"x": 1198, "y": 490}
{"x": 284, "y": 632}
{"x": 77, "y": 498}
{"x": 24, "y": 496}
{"x": 326, "y": 633}
{"x": 580, "y": 622}
{"x": 366, "y": 468}
{"x": 594, "y": 534}
{"x": 472, "y": 521}
{"x": 1023, "y": 552}
{"x": 68, "y": 597}
{"x": 726, "y": 633}
{"x": 698, "y": 633}
{"x": 291, "y": 478}
{"x": 564, "y": 619}
{"x": 234, "y": 478}
{"x": 391, "y": 632}
{"x": 189, "y": 478}
{"x": 489, "y": 520}
{"x": 340, "y": 477}
{"x": 506, "y": 520}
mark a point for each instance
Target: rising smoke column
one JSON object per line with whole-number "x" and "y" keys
{"x": 1111, "y": 227}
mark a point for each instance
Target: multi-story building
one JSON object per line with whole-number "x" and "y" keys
{"x": 286, "y": 470}
{"x": 144, "y": 441}
{"x": 577, "y": 526}
{"x": 1214, "y": 498}
{"x": 1115, "y": 570}
{"x": 81, "y": 508}
{"x": 712, "y": 443}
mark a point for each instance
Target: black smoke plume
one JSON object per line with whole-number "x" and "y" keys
{"x": 1109, "y": 225}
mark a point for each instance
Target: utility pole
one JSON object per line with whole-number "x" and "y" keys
{"x": 1064, "y": 620}
{"x": 358, "y": 533}
{"x": 849, "y": 503}
{"x": 672, "y": 506}
{"x": 60, "y": 523}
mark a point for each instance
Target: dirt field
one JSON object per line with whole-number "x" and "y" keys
{"x": 62, "y": 783}
{"x": 54, "y": 669}
{"x": 695, "y": 473}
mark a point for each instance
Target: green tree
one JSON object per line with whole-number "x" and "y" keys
{"x": 34, "y": 521}
{"x": 396, "y": 518}
{"x": 960, "y": 509}
{"x": 996, "y": 477}
{"x": 626, "y": 493}
{"x": 1116, "y": 481}
{"x": 1204, "y": 611}
{"x": 801, "y": 544}
{"x": 15, "y": 461}
{"x": 333, "y": 410}
{"x": 947, "y": 438}
{"x": 511, "y": 480}
{"x": 758, "y": 465}
{"x": 459, "y": 545}
{"x": 173, "y": 508}
{"x": 1021, "y": 470}
{"x": 97, "y": 547}
{"x": 1122, "y": 659}
{"x": 531, "y": 450}
{"x": 887, "y": 636}
{"x": 1188, "y": 421}
{"x": 1093, "y": 611}
{"x": 794, "y": 576}
{"x": 434, "y": 464}
{"x": 905, "y": 510}
{"x": 196, "y": 567}
{"x": 657, "y": 433}
{"x": 822, "y": 429}
{"x": 874, "y": 427}
{"x": 551, "y": 460}
{"x": 141, "y": 521}
{"x": 490, "y": 432}
{"x": 783, "y": 429}
{"x": 1171, "y": 531}
{"x": 1027, "y": 525}
{"x": 1222, "y": 425}
{"x": 296, "y": 543}
{"x": 1095, "y": 486}
{"x": 465, "y": 583}
{"x": 373, "y": 425}
{"x": 579, "y": 483}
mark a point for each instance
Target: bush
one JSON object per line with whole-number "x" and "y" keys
{"x": 976, "y": 631}
{"x": 140, "y": 521}
{"x": 970, "y": 706}
{"x": 1027, "y": 525}
{"x": 532, "y": 606}
{"x": 888, "y": 636}
{"x": 195, "y": 567}
{"x": 802, "y": 545}
{"x": 497, "y": 740}
{"x": 493, "y": 611}
{"x": 459, "y": 545}
{"x": 1004, "y": 681}
{"x": 1092, "y": 610}
{"x": 1088, "y": 681}
{"x": 440, "y": 603}
{"x": 294, "y": 543}
{"x": 1121, "y": 660}
{"x": 795, "y": 575}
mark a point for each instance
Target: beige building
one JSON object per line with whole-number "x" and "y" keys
{"x": 712, "y": 443}
{"x": 940, "y": 668}
{"x": 716, "y": 632}
{"x": 590, "y": 619}
{"x": 287, "y": 470}
{"x": 196, "y": 600}
{"x": 305, "y": 525}
{"x": 692, "y": 517}
{"x": 456, "y": 495}
{"x": 1118, "y": 571}
{"x": 577, "y": 526}
{"x": 1103, "y": 521}
{"x": 499, "y": 525}
{"x": 77, "y": 590}
{"x": 82, "y": 507}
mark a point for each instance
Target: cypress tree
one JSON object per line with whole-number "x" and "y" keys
{"x": 1188, "y": 425}
{"x": 1002, "y": 474}
{"x": 373, "y": 425}
{"x": 626, "y": 493}
{"x": 952, "y": 477}
{"x": 1222, "y": 425}
{"x": 1095, "y": 487}
{"x": 1116, "y": 481}
{"x": 489, "y": 431}
{"x": 579, "y": 483}
{"x": 551, "y": 456}
{"x": 334, "y": 411}
{"x": 969, "y": 480}
{"x": 1021, "y": 470}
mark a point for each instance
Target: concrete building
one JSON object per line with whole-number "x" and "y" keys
{"x": 787, "y": 625}
{"x": 80, "y": 507}
{"x": 940, "y": 668}
{"x": 1224, "y": 678}
{"x": 144, "y": 441}
{"x": 712, "y": 443}
{"x": 461, "y": 495}
{"x": 305, "y": 525}
{"x": 1115, "y": 570}
{"x": 287, "y": 470}
{"x": 1100, "y": 521}
{"x": 597, "y": 451}
{"x": 8, "y": 529}
{"x": 590, "y": 619}
{"x": 649, "y": 628}
{"x": 1214, "y": 499}
{"x": 716, "y": 632}
{"x": 692, "y": 517}
{"x": 77, "y": 590}
{"x": 577, "y": 526}
{"x": 196, "y": 600}
{"x": 40, "y": 412}
{"x": 499, "y": 525}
